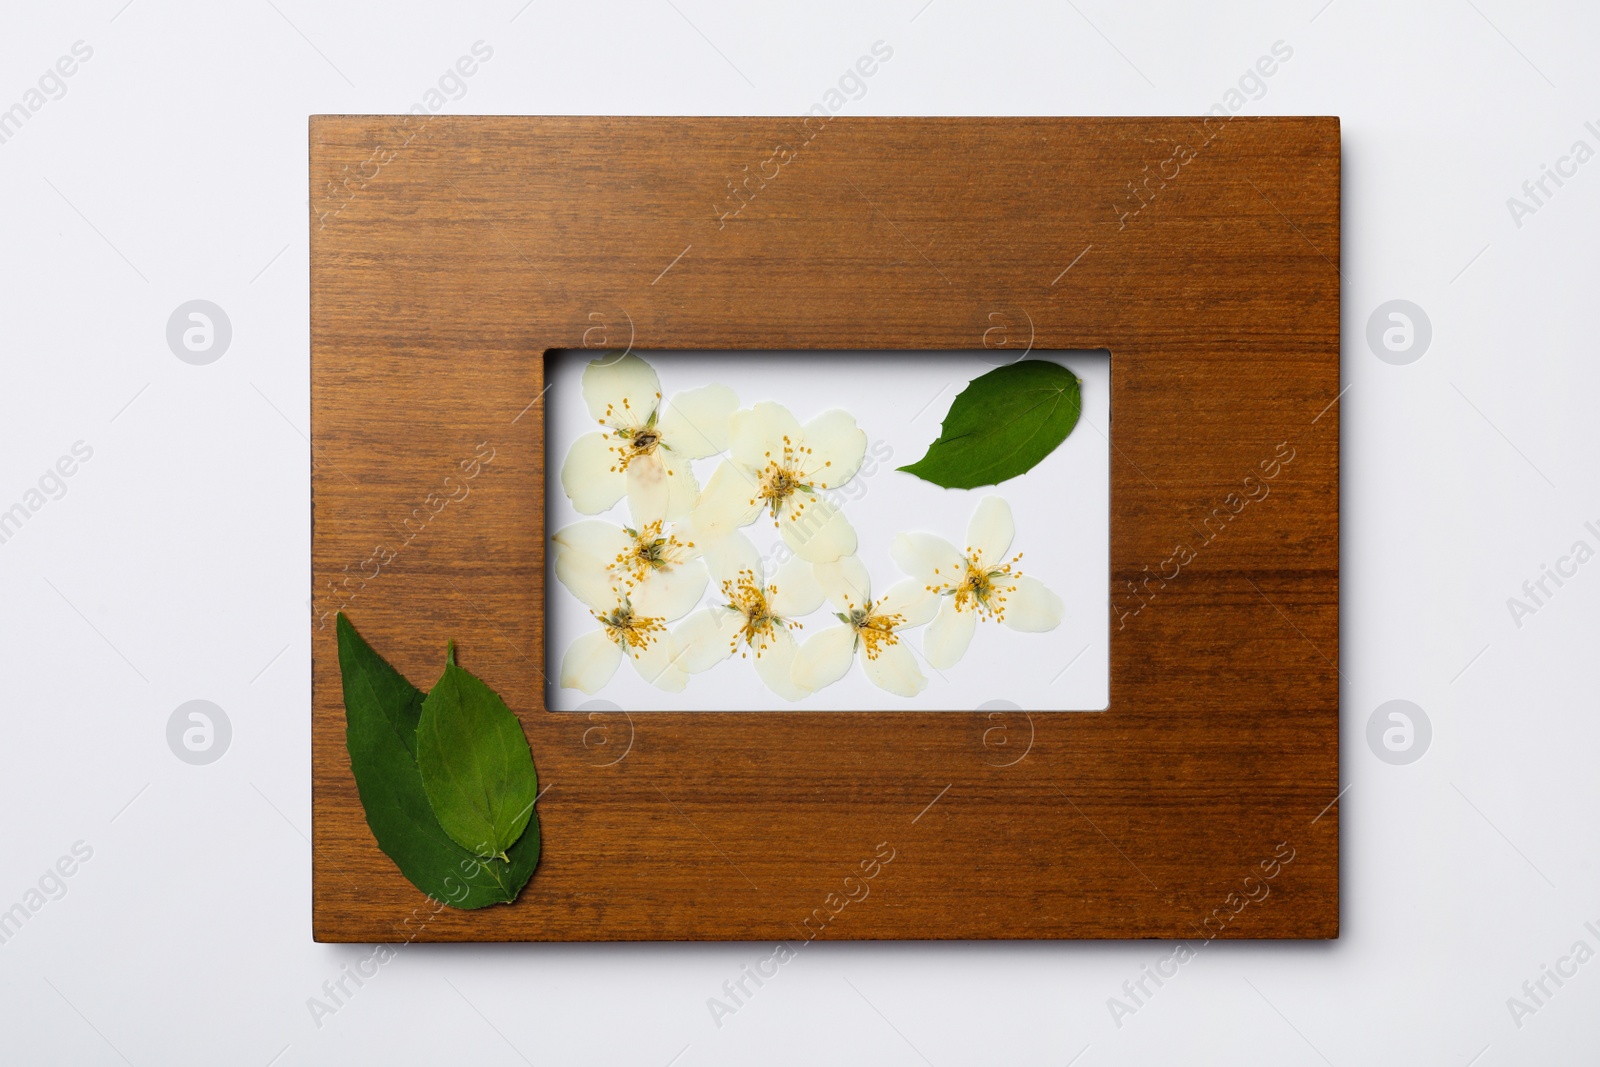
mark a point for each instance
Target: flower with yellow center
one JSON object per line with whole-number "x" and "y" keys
{"x": 979, "y": 582}
{"x": 778, "y": 467}
{"x": 657, "y": 554}
{"x": 650, "y": 551}
{"x": 641, "y": 450}
{"x": 754, "y": 617}
{"x": 873, "y": 628}
{"x": 633, "y": 624}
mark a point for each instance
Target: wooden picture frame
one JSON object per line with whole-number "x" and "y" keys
{"x": 449, "y": 254}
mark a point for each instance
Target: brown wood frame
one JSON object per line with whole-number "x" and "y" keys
{"x": 448, "y": 254}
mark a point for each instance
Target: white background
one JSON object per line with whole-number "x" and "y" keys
{"x": 176, "y": 565}
{"x": 1061, "y": 509}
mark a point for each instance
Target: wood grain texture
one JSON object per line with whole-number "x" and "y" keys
{"x": 448, "y": 254}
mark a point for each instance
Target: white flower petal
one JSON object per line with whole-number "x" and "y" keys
{"x": 728, "y": 502}
{"x": 695, "y": 424}
{"x": 589, "y": 477}
{"x": 590, "y": 662}
{"x": 728, "y": 557}
{"x": 845, "y": 583}
{"x": 835, "y": 449}
{"x": 991, "y": 531}
{"x": 1031, "y": 608}
{"x": 671, "y": 592}
{"x": 895, "y": 670}
{"x": 621, "y": 391}
{"x": 689, "y": 547}
{"x": 798, "y": 593}
{"x": 672, "y": 680}
{"x": 600, "y": 540}
{"x": 758, "y": 434}
{"x": 948, "y": 636}
{"x": 705, "y": 639}
{"x": 646, "y": 502}
{"x": 655, "y": 665}
{"x": 587, "y": 578}
{"x": 824, "y": 658}
{"x": 683, "y": 491}
{"x": 910, "y": 600}
{"x": 775, "y": 664}
{"x": 931, "y": 559}
{"x": 648, "y": 493}
{"x": 815, "y": 529}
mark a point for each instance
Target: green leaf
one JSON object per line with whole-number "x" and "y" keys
{"x": 1004, "y": 423}
{"x": 475, "y": 763}
{"x": 382, "y": 710}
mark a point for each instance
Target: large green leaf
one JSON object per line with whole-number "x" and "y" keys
{"x": 1004, "y": 423}
{"x": 382, "y": 710}
{"x": 476, "y": 766}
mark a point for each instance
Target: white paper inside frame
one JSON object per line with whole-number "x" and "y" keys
{"x": 1061, "y": 510}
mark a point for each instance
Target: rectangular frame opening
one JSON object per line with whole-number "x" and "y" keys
{"x": 1059, "y": 514}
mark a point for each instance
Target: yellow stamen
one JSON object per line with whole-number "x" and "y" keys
{"x": 634, "y": 438}
{"x": 632, "y": 633}
{"x": 788, "y": 480}
{"x": 651, "y": 551}
{"x": 747, "y": 596}
{"x": 983, "y": 588}
{"x": 875, "y": 629}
